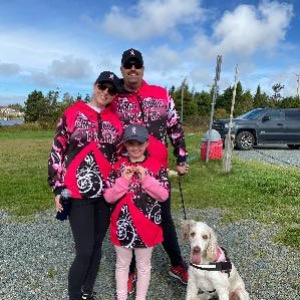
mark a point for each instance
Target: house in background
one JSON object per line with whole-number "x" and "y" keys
{"x": 9, "y": 113}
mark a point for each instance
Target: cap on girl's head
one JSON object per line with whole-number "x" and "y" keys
{"x": 107, "y": 76}
{"x": 135, "y": 133}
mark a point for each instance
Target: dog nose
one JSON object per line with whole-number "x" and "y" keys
{"x": 196, "y": 249}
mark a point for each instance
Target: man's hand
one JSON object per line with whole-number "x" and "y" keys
{"x": 182, "y": 169}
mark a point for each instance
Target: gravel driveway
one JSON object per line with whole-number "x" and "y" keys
{"x": 35, "y": 256}
{"x": 274, "y": 154}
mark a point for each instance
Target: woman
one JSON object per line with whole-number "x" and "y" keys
{"x": 83, "y": 150}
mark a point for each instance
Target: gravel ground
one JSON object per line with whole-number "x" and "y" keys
{"x": 35, "y": 257}
{"x": 274, "y": 154}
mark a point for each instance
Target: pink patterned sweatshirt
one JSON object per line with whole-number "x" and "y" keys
{"x": 83, "y": 150}
{"x": 136, "y": 214}
{"x": 154, "y": 108}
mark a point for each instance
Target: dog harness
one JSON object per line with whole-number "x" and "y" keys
{"x": 221, "y": 266}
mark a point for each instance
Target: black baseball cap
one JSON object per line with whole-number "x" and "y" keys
{"x": 135, "y": 133}
{"x": 132, "y": 54}
{"x": 110, "y": 77}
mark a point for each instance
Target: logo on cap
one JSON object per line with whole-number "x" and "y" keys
{"x": 111, "y": 76}
{"x": 132, "y": 52}
{"x": 133, "y": 130}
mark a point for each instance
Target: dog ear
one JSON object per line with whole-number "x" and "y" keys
{"x": 212, "y": 246}
{"x": 185, "y": 229}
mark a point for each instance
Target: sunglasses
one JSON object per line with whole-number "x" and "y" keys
{"x": 128, "y": 64}
{"x": 110, "y": 89}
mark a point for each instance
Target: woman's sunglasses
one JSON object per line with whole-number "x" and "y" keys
{"x": 112, "y": 91}
{"x": 128, "y": 64}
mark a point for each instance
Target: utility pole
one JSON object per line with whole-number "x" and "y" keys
{"x": 298, "y": 82}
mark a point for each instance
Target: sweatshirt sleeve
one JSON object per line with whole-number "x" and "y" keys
{"x": 153, "y": 187}
{"x": 118, "y": 190}
{"x": 57, "y": 155}
{"x": 175, "y": 132}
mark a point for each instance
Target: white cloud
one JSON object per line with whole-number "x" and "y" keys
{"x": 248, "y": 29}
{"x": 71, "y": 68}
{"x": 152, "y": 19}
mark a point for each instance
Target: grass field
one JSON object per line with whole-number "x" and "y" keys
{"x": 262, "y": 192}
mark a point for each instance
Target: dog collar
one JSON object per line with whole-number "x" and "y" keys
{"x": 219, "y": 266}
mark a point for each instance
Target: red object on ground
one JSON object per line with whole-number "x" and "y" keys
{"x": 215, "y": 150}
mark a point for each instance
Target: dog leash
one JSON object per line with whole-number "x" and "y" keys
{"x": 181, "y": 197}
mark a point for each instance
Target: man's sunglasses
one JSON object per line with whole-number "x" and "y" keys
{"x": 128, "y": 64}
{"x": 110, "y": 89}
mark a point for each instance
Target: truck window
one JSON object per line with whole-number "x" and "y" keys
{"x": 276, "y": 114}
{"x": 292, "y": 114}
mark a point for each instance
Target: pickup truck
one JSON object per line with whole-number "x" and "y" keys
{"x": 263, "y": 126}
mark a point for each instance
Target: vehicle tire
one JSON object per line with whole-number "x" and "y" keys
{"x": 293, "y": 146}
{"x": 244, "y": 140}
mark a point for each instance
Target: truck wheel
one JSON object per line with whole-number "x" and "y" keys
{"x": 292, "y": 146}
{"x": 244, "y": 140}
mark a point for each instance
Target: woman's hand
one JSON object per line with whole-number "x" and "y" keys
{"x": 58, "y": 206}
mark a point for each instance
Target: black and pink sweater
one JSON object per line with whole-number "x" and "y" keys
{"x": 154, "y": 108}
{"x": 136, "y": 216}
{"x": 83, "y": 150}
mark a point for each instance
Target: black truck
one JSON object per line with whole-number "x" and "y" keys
{"x": 263, "y": 126}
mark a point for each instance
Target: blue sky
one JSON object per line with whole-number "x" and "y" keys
{"x": 64, "y": 45}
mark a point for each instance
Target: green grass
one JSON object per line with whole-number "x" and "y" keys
{"x": 262, "y": 192}
{"x": 23, "y": 169}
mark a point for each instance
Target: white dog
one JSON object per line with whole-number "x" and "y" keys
{"x": 204, "y": 281}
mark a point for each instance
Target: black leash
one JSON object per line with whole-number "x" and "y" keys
{"x": 181, "y": 196}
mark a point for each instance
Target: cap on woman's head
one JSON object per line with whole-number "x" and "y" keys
{"x": 107, "y": 76}
{"x": 135, "y": 133}
{"x": 132, "y": 54}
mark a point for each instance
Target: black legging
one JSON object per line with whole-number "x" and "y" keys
{"x": 89, "y": 221}
{"x": 170, "y": 242}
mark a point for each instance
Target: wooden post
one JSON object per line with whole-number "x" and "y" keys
{"x": 213, "y": 103}
{"x": 229, "y": 143}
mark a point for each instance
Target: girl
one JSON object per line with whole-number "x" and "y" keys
{"x": 79, "y": 164}
{"x": 137, "y": 184}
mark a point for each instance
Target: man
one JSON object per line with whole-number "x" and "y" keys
{"x": 152, "y": 106}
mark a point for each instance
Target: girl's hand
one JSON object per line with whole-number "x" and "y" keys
{"x": 128, "y": 173}
{"x": 141, "y": 171}
{"x": 58, "y": 206}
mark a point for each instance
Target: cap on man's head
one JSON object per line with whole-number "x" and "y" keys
{"x": 107, "y": 76}
{"x": 135, "y": 133}
{"x": 132, "y": 54}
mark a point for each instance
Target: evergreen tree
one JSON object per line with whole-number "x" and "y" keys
{"x": 33, "y": 106}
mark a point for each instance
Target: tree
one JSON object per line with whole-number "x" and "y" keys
{"x": 203, "y": 101}
{"x": 277, "y": 88}
{"x": 260, "y": 100}
{"x": 239, "y": 100}
{"x": 33, "y": 107}
{"x": 248, "y": 101}
{"x": 16, "y": 106}
{"x": 87, "y": 98}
